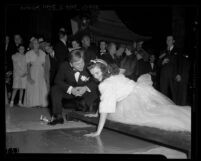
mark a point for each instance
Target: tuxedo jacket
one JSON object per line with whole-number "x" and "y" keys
{"x": 173, "y": 67}
{"x": 65, "y": 78}
{"x": 61, "y": 52}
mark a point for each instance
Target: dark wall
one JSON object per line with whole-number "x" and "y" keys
{"x": 156, "y": 22}
{"x": 28, "y": 22}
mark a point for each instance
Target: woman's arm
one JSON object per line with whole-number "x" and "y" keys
{"x": 101, "y": 124}
{"x": 92, "y": 114}
{"x": 47, "y": 70}
{"x": 29, "y": 73}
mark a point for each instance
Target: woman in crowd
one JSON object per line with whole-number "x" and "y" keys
{"x": 36, "y": 93}
{"x": 136, "y": 103}
{"x": 129, "y": 63}
{"x": 19, "y": 74}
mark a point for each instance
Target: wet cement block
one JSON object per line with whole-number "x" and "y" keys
{"x": 176, "y": 140}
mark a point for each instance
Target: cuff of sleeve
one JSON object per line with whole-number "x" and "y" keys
{"x": 69, "y": 90}
{"x": 88, "y": 89}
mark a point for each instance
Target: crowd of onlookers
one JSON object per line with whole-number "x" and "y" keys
{"x": 32, "y": 69}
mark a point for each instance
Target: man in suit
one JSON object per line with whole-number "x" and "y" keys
{"x": 90, "y": 51}
{"x": 170, "y": 69}
{"x": 182, "y": 91}
{"x": 61, "y": 49}
{"x": 53, "y": 62}
{"x": 153, "y": 70}
{"x": 73, "y": 81}
{"x": 102, "y": 48}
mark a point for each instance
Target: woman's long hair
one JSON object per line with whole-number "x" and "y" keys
{"x": 106, "y": 69}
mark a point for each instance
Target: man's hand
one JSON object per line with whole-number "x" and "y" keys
{"x": 165, "y": 61}
{"x": 81, "y": 90}
{"x": 75, "y": 91}
{"x": 162, "y": 55}
{"x": 178, "y": 78}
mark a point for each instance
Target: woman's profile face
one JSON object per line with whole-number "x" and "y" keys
{"x": 97, "y": 73}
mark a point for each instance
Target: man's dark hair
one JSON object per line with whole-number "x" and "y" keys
{"x": 86, "y": 35}
{"x": 76, "y": 54}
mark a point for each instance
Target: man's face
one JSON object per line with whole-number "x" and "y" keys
{"x": 21, "y": 49}
{"x": 65, "y": 37}
{"x": 7, "y": 39}
{"x": 86, "y": 41}
{"x": 152, "y": 58}
{"x": 17, "y": 39}
{"x": 78, "y": 64}
{"x": 35, "y": 44}
{"x": 170, "y": 40}
{"x": 102, "y": 45}
{"x": 75, "y": 44}
{"x": 112, "y": 49}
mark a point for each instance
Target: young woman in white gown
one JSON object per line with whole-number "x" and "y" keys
{"x": 136, "y": 103}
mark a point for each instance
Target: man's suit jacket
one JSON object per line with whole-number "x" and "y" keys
{"x": 53, "y": 69}
{"x": 65, "y": 78}
{"x": 61, "y": 52}
{"x": 173, "y": 67}
{"x": 90, "y": 53}
{"x": 155, "y": 70}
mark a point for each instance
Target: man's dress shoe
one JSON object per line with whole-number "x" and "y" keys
{"x": 56, "y": 121}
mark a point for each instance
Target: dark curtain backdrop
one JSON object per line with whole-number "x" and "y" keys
{"x": 156, "y": 22}
{"x": 28, "y": 23}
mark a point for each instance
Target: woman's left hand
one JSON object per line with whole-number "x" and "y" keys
{"x": 93, "y": 134}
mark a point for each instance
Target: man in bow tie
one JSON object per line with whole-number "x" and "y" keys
{"x": 72, "y": 81}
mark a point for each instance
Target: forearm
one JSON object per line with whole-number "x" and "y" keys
{"x": 28, "y": 71}
{"x": 101, "y": 123}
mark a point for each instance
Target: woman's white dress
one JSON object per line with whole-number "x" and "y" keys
{"x": 19, "y": 69}
{"x": 36, "y": 94}
{"x": 138, "y": 103}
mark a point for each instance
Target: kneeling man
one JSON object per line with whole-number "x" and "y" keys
{"x": 73, "y": 81}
